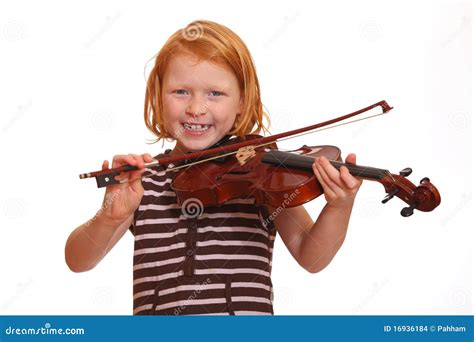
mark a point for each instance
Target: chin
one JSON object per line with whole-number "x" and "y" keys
{"x": 194, "y": 145}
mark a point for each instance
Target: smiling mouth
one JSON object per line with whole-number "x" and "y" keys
{"x": 196, "y": 128}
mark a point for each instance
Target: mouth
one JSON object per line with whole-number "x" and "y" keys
{"x": 196, "y": 128}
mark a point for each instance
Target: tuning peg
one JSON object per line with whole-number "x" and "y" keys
{"x": 426, "y": 179}
{"x": 390, "y": 195}
{"x": 408, "y": 211}
{"x": 406, "y": 172}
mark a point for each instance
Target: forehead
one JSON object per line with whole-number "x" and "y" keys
{"x": 187, "y": 69}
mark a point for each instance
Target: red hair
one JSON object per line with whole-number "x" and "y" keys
{"x": 216, "y": 43}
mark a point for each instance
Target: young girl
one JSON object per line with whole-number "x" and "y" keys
{"x": 202, "y": 90}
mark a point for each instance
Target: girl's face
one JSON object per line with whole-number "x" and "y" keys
{"x": 200, "y": 102}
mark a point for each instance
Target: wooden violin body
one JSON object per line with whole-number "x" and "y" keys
{"x": 274, "y": 177}
{"x": 216, "y": 182}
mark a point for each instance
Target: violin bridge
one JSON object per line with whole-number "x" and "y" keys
{"x": 244, "y": 154}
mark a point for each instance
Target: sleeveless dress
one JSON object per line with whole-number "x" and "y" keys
{"x": 216, "y": 261}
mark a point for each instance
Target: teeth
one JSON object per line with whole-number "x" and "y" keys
{"x": 196, "y": 127}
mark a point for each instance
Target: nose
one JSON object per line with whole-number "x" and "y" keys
{"x": 197, "y": 106}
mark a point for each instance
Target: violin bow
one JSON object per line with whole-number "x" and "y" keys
{"x": 106, "y": 177}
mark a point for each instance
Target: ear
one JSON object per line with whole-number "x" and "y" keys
{"x": 241, "y": 104}
{"x": 236, "y": 120}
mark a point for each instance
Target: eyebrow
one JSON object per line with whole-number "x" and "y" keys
{"x": 222, "y": 87}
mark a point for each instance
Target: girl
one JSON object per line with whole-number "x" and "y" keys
{"x": 202, "y": 90}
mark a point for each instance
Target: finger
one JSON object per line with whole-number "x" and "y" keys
{"x": 351, "y": 158}
{"x": 135, "y": 176}
{"x": 135, "y": 180}
{"x": 105, "y": 165}
{"x": 147, "y": 157}
{"x": 142, "y": 159}
{"x": 326, "y": 189}
{"x": 119, "y": 160}
{"x": 127, "y": 178}
{"x": 337, "y": 189}
{"x": 317, "y": 171}
{"x": 334, "y": 177}
{"x": 139, "y": 163}
{"x": 349, "y": 180}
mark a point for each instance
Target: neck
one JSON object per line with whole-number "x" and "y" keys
{"x": 292, "y": 160}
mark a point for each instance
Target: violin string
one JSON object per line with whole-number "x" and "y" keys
{"x": 182, "y": 166}
{"x": 259, "y": 145}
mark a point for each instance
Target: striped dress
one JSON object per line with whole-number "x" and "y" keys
{"x": 217, "y": 263}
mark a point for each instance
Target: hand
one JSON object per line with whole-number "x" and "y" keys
{"x": 340, "y": 187}
{"x": 121, "y": 200}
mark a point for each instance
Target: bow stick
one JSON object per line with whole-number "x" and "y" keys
{"x": 106, "y": 177}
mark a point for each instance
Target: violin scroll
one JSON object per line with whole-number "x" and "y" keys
{"x": 424, "y": 197}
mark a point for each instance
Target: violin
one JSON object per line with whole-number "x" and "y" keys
{"x": 253, "y": 166}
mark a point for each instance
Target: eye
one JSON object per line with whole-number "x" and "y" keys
{"x": 215, "y": 93}
{"x": 181, "y": 91}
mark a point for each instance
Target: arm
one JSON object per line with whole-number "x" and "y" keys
{"x": 314, "y": 245}
{"x": 89, "y": 243}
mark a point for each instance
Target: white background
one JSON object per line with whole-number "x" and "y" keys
{"x": 72, "y": 89}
